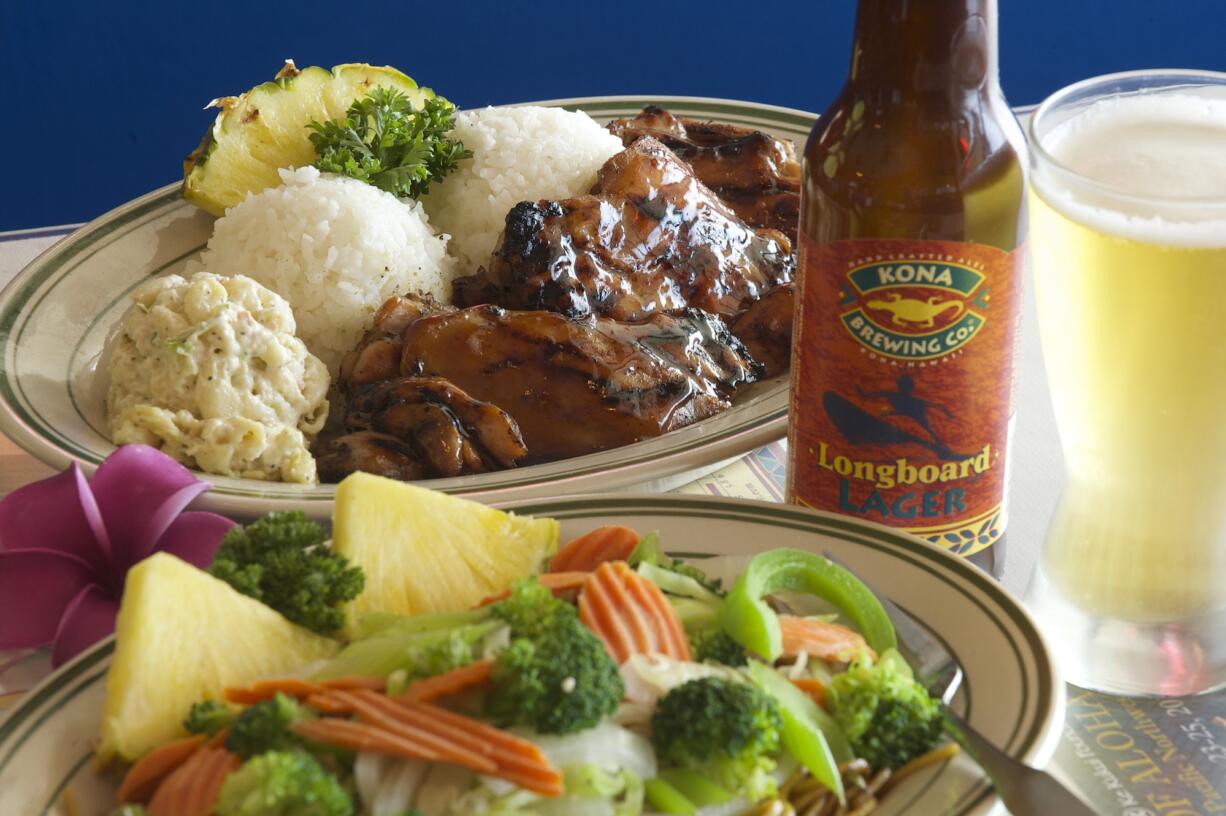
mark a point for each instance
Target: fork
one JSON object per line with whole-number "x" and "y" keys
{"x": 1026, "y": 791}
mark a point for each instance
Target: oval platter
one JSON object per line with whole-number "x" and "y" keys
{"x": 56, "y": 314}
{"x": 1011, "y": 692}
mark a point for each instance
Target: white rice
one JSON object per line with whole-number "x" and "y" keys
{"x": 520, "y": 154}
{"x": 335, "y": 248}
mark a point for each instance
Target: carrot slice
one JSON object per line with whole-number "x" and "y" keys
{"x": 589, "y": 551}
{"x": 327, "y": 703}
{"x": 143, "y": 778}
{"x": 452, "y": 682}
{"x": 262, "y": 690}
{"x": 193, "y": 788}
{"x": 818, "y": 638}
{"x": 519, "y": 760}
{"x": 813, "y": 688}
{"x": 369, "y": 708}
{"x": 631, "y": 615}
{"x": 358, "y": 736}
{"x": 559, "y": 583}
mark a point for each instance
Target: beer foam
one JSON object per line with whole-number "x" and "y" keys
{"x": 1160, "y": 163}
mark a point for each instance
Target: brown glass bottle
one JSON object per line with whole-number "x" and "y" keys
{"x": 912, "y": 219}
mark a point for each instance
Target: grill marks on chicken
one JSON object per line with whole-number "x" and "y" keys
{"x": 485, "y": 388}
{"x": 576, "y": 386}
{"x": 755, "y": 173}
{"x": 423, "y": 425}
{"x": 650, "y": 238}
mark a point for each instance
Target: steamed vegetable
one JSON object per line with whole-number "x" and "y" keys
{"x": 747, "y": 617}
{"x": 555, "y": 676}
{"x": 388, "y": 141}
{"x": 722, "y": 729}
{"x": 283, "y": 783}
{"x": 208, "y": 717}
{"x": 650, "y": 552}
{"x": 810, "y": 735}
{"x": 265, "y": 727}
{"x": 283, "y": 561}
{"x": 885, "y": 712}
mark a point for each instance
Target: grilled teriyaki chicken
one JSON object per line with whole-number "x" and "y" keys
{"x": 440, "y": 428}
{"x": 754, "y": 172}
{"x": 650, "y": 238}
{"x": 766, "y": 328}
{"x": 571, "y": 386}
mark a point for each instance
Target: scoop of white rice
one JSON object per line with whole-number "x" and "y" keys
{"x": 335, "y": 248}
{"x": 519, "y": 154}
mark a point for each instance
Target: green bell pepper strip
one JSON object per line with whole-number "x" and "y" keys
{"x": 809, "y": 734}
{"x": 696, "y": 787}
{"x": 752, "y": 623}
{"x": 667, "y": 799}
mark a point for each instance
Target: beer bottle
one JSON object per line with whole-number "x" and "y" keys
{"x": 910, "y": 272}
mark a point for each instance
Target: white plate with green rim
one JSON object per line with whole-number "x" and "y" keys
{"x": 55, "y": 317}
{"x": 1011, "y": 693}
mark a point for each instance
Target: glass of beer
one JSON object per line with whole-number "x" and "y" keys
{"x": 1128, "y": 247}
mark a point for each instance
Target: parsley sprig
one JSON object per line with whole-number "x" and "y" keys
{"x": 384, "y": 141}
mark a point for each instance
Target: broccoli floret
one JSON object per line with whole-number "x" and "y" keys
{"x": 725, "y": 730}
{"x": 283, "y": 783}
{"x": 282, "y": 560}
{"x": 531, "y": 609}
{"x": 556, "y": 676}
{"x": 888, "y": 716}
{"x": 717, "y": 646}
{"x": 129, "y": 809}
{"x": 208, "y": 717}
{"x": 649, "y": 551}
{"x": 265, "y": 727}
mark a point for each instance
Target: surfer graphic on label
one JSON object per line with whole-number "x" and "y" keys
{"x": 858, "y": 426}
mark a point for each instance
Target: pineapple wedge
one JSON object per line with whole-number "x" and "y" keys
{"x": 183, "y": 636}
{"x": 424, "y": 551}
{"x": 266, "y": 129}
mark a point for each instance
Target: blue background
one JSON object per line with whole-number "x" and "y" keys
{"x": 102, "y": 100}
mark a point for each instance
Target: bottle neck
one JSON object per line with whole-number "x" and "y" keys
{"x": 926, "y": 47}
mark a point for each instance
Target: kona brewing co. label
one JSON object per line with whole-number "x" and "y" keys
{"x": 903, "y": 385}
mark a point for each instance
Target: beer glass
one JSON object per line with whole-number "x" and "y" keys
{"x": 1128, "y": 248}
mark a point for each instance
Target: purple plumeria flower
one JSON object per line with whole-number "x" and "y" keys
{"x": 66, "y": 545}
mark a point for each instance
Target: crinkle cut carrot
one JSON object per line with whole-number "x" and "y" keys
{"x": 369, "y": 707}
{"x": 631, "y": 615}
{"x": 821, "y": 639}
{"x": 519, "y": 760}
{"x": 813, "y": 688}
{"x": 326, "y": 703}
{"x": 193, "y": 788}
{"x": 559, "y": 583}
{"x": 143, "y": 778}
{"x": 388, "y": 723}
{"x": 452, "y": 682}
{"x": 589, "y": 551}
{"x": 360, "y": 736}
{"x": 262, "y": 690}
